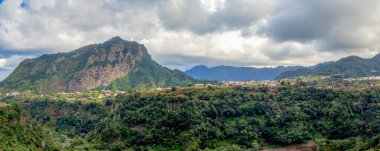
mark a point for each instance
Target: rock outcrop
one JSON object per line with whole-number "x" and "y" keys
{"x": 86, "y": 68}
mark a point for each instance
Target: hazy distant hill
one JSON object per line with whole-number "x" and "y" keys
{"x": 229, "y": 73}
{"x": 352, "y": 66}
{"x": 3, "y": 73}
{"x": 114, "y": 64}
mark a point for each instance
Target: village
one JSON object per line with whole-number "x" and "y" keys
{"x": 306, "y": 81}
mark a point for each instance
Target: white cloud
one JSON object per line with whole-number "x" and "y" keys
{"x": 182, "y": 33}
{"x": 2, "y": 63}
{"x": 9, "y": 63}
{"x": 12, "y": 61}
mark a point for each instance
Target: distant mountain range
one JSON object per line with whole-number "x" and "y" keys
{"x": 118, "y": 64}
{"x": 352, "y": 66}
{"x": 229, "y": 73}
{"x": 115, "y": 64}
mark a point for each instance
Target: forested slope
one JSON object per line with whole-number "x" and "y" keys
{"x": 18, "y": 132}
{"x": 351, "y": 66}
{"x": 218, "y": 118}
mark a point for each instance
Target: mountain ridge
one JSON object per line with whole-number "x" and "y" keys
{"x": 231, "y": 73}
{"x": 90, "y": 67}
{"x": 350, "y": 66}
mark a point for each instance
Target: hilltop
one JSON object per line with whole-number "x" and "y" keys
{"x": 349, "y": 67}
{"x": 115, "y": 64}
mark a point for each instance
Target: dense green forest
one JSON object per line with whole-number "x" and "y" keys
{"x": 18, "y": 132}
{"x": 149, "y": 74}
{"x": 208, "y": 118}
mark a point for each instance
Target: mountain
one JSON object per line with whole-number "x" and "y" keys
{"x": 115, "y": 64}
{"x": 352, "y": 66}
{"x": 229, "y": 73}
{"x": 3, "y": 73}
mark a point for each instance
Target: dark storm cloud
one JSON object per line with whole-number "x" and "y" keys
{"x": 301, "y": 20}
{"x": 211, "y": 32}
{"x": 239, "y": 14}
{"x": 194, "y": 17}
{"x": 285, "y": 51}
{"x": 183, "y": 15}
{"x": 340, "y": 25}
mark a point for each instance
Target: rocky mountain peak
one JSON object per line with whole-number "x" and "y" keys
{"x": 118, "y": 45}
{"x": 116, "y": 38}
{"x": 90, "y": 67}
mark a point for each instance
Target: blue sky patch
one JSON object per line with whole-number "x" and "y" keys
{"x": 1, "y": 1}
{"x": 4, "y": 53}
{"x": 24, "y": 5}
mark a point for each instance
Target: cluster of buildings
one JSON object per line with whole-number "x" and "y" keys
{"x": 11, "y": 94}
{"x": 363, "y": 78}
{"x": 198, "y": 85}
{"x": 108, "y": 93}
{"x": 266, "y": 83}
{"x": 93, "y": 94}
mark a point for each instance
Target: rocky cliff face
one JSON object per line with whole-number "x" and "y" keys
{"x": 115, "y": 60}
{"x": 83, "y": 69}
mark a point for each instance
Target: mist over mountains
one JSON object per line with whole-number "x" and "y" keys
{"x": 352, "y": 66}
{"x": 230, "y": 73}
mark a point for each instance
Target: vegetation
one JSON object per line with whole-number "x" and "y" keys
{"x": 215, "y": 118}
{"x": 149, "y": 74}
{"x": 115, "y": 64}
{"x": 18, "y": 132}
{"x": 231, "y": 117}
{"x": 351, "y": 66}
{"x": 73, "y": 119}
{"x": 248, "y": 118}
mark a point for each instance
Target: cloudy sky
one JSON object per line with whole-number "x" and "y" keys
{"x": 184, "y": 33}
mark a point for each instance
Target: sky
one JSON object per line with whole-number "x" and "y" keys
{"x": 184, "y": 33}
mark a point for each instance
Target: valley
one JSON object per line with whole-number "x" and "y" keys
{"x": 189, "y": 75}
{"x": 212, "y": 117}
{"x": 113, "y": 96}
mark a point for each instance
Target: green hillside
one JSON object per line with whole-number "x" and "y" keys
{"x": 215, "y": 118}
{"x": 149, "y": 74}
{"x": 351, "y": 66}
{"x": 18, "y": 132}
{"x": 114, "y": 64}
